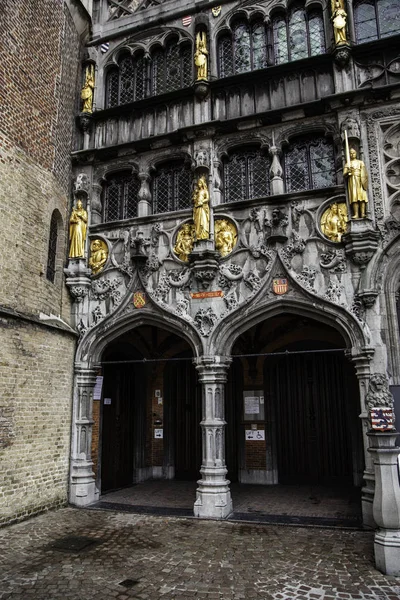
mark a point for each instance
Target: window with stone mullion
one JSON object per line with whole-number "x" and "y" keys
{"x": 309, "y": 165}
{"x": 52, "y": 249}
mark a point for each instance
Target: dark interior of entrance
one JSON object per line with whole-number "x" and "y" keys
{"x": 150, "y": 410}
{"x": 308, "y": 413}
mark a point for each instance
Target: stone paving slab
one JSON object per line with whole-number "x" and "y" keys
{"x": 158, "y": 558}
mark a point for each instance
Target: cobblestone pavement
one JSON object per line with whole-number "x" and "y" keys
{"x": 150, "y": 557}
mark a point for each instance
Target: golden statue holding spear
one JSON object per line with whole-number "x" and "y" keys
{"x": 357, "y": 181}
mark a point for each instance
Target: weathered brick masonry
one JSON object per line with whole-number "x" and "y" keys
{"x": 39, "y": 62}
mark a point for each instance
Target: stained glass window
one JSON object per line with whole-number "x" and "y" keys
{"x": 379, "y": 19}
{"x": 52, "y": 250}
{"x": 309, "y": 164}
{"x": 172, "y": 187}
{"x": 121, "y": 197}
{"x": 246, "y": 175}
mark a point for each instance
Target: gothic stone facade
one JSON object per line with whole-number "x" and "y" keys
{"x": 265, "y": 126}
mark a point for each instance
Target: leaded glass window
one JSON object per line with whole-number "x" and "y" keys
{"x": 299, "y": 35}
{"x": 127, "y": 83}
{"x": 245, "y": 51}
{"x": 171, "y": 69}
{"x": 121, "y": 197}
{"x": 379, "y": 19}
{"x": 309, "y": 164}
{"x": 112, "y": 88}
{"x": 172, "y": 188}
{"x": 246, "y": 175}
{"x": 52, "y": 249}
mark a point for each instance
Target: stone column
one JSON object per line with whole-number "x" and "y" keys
{"x": 213, "y": 495}
{"x": 276, "y": 172}
{"x": 386, "y": 506}
{"x": 144, "y": 195}
{"x": 82, "y": 485}
{"x": 362, "y": 365}
{"x": 96, "y": 205}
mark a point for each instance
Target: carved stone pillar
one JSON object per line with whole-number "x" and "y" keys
{"x": 386, "y": 507}
{"x": 144, "y": 195}
{"x": 276, "y": 172}
{"x": 217, "y": 182}
{"x": 362, "y": 365}
{"x": 82, "y": 483}
{"x": 213, "y": 494}
{"x": 96, "y": 207}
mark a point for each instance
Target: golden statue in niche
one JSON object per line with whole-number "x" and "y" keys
{"x": 356, "y": 174}
{"x": 201, "y": 56}
{"x": 334, "y": 221}
{"x": 225, "y": 236}
{"x": 184, "y": 241}
{"x": 98, "y": 255}
{"x": 339, "y": 18}
{"x": 77, "y": 231}
{"x": 201, "y": 209}
{"x": 87, "y": 90}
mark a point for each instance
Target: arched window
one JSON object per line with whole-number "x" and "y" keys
{"x": 246, "y": 175}
{"x": 171, "y": 69}
{"x": 52, "y": 249}
{"x": 127, "y": 82}
{"x": 309, "y": 164}
{"x": 245, "y": 50}
{"x": 120, "y": 197}
{"x": 172, "y": 187}
{"x": 376, "y": 19}
{"x": 298, "y": 35}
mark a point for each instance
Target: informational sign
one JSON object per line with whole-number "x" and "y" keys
{"x": 107, "y": 400}
{"x": 160, "y": 400}
{"x": 252, "y": 405}
{"x": 201, "y": 295}
{"x": 98, "y": 387}
{"x": 254, "y": 435}
{"x": 159, "y": 434}
{"x": 157, "y": 393}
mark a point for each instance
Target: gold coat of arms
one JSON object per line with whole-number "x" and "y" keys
{"x": 280, "y": 286}
{"x": 139, "y": 299}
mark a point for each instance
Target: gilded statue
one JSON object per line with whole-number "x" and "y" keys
{"x": 88, "y": 90}
{"x": 357, "y": 182}
{"x": 339, "y": 18}
{"x": 201, "y": 56}
{"x": 201, "y": 209}
{"x": 98, "y": 256}
{"x": 184, "y": 241}
{"x": 77, "y": 231}
{"x": 334, "y": 222}
{"x": 225, "y": 236}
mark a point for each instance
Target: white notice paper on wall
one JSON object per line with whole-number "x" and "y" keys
{"x": 252, "y": 405}
{"x": 258, "y": 435}
{"x": 98, "y": 386}
{"x": 159, "y": 433}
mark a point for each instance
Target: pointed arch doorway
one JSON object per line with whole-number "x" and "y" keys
{"x": 293, "y": 419}
{"x": 150, "y": 412}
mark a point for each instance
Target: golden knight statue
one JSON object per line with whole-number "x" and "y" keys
{"x": 88, "y": 90}
{"x": 356, "y": 174}
{"x": 201, "y": 209}
{"x": 77, "y": 231}
{"x": 201, "y": 56}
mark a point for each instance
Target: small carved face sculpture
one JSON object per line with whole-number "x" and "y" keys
{"x": 95, "y": 246}
{"x": 378, "y": 381}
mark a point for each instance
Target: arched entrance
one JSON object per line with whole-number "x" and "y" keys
{"x": 293, "y": 418}
{"x": 150, "y": 412}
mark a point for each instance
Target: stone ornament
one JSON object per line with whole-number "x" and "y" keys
{"x": 98, "y": 255}
{"x": 334, "y": 221}
{"x": 184, "y": 242}
{"x": 201, "y": 56}
{"x": 379, "y": 394}
{"x": 88, "y": 90}
{"x": 77, "y": 231}
{"x": 357, "y": 182}
{"x": 226, "y": 236}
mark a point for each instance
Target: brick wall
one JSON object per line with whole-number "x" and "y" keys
{"x": 35, "y": 417}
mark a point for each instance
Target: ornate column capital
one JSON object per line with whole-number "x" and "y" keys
{"x": 212, "y": 368}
